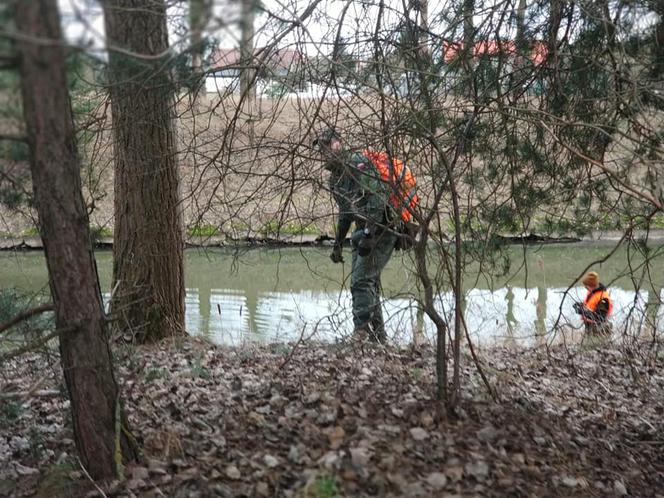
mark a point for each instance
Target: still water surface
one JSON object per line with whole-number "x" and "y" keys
{"x": 280, "y": 294}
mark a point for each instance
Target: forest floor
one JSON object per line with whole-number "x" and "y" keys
{"x": 352, "y": 420}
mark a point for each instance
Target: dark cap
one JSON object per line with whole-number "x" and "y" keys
{"x": 325, "y": 137}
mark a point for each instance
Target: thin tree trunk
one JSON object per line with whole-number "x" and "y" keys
{"x": 521, "y": 40}
{"x": 517, "y": 77}
{"x": 469, "y": 45}
{"x": 468, "y": 23}
{"x": 199, "y": 13}
{"x": 420, "y": 250}
{"x": 425, "y": 51}
{"x": 555, "y": 18}
{"x": 55, "y": 168}
{"x": 248, "y": 73}
{"x": 148, "y": 239}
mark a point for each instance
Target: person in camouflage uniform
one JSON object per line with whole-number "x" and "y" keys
{"x": 362, "y": 199}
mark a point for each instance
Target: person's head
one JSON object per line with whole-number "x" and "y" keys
{"x": 328, "y": 143}
{"x": 591, "y": 280}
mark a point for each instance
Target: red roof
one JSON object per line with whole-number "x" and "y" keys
{"x": 283, "y": 58}
{"x": 538, "y": 50}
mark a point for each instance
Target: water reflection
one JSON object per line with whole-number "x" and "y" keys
{"x": 278, "y": 295}
{"x": 510, "y": 314}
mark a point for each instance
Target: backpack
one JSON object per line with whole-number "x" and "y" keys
{"x": 400, "y": 179}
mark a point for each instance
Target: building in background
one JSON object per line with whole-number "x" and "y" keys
{"x": 280, "y": 71}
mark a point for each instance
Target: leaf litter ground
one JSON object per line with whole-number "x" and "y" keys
{"x": 345, "y": 420}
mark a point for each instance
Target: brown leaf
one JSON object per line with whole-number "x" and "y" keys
{"x": 232, "y": 472}
{"x": 336, "y": 436}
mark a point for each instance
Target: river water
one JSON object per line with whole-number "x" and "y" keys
{"x": 276, "y": 295}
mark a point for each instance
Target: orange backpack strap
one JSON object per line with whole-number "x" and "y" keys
{"x": 403, "y": 195}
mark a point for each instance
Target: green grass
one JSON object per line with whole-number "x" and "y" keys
{"x": 324, "y": 487}
{"x": 657, "y": 221}
{"x": 30, "y": 232}
{"x": 203, "y": 231}
{"x": 98, "y": 232}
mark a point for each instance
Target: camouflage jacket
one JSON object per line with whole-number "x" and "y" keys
{"x": 360, "y": 194}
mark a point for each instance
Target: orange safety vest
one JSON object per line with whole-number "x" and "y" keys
{"x": 401, "y": 180}
{"x": 592, "y": 301}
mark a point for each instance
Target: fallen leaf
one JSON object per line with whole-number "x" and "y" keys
{"x": 270, "y": 461}
{"x": 619, "y": 488}
{"x": 336, "y": 436}
{"x": 360, "y": 456}
{"x": 233, "y": 472}
{"x": 437, "y": 480}
{"x": 479, "y": 469}
{"x": 418, "y": 434}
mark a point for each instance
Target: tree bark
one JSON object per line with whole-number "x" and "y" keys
{"x": 63, "y": 219}
{"x": 148, "y": 242}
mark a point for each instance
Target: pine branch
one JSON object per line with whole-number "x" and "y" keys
{"x": 31, "y": 346}
{"x": 629, "y": 189}
{"x": 11, "y": 137}
{"x": 24, "y": 315}
{"x": 8, "y": 62}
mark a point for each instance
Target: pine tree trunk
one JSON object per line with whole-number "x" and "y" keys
{"x": 148, "y": 298}
{"x": 55, "y": 168}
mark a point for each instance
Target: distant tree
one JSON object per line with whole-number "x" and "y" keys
{"x": 100, "y": 428}
{"x": 247, "y": 62}
{"x": 342, "y": 63}
{"x": 148, "y": 288}
{"x": 199, "y": 15}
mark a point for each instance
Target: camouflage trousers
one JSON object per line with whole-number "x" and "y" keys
{"x": 365, "y": 285}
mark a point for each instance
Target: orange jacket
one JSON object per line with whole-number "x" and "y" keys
{"x": 597, "y": 314}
